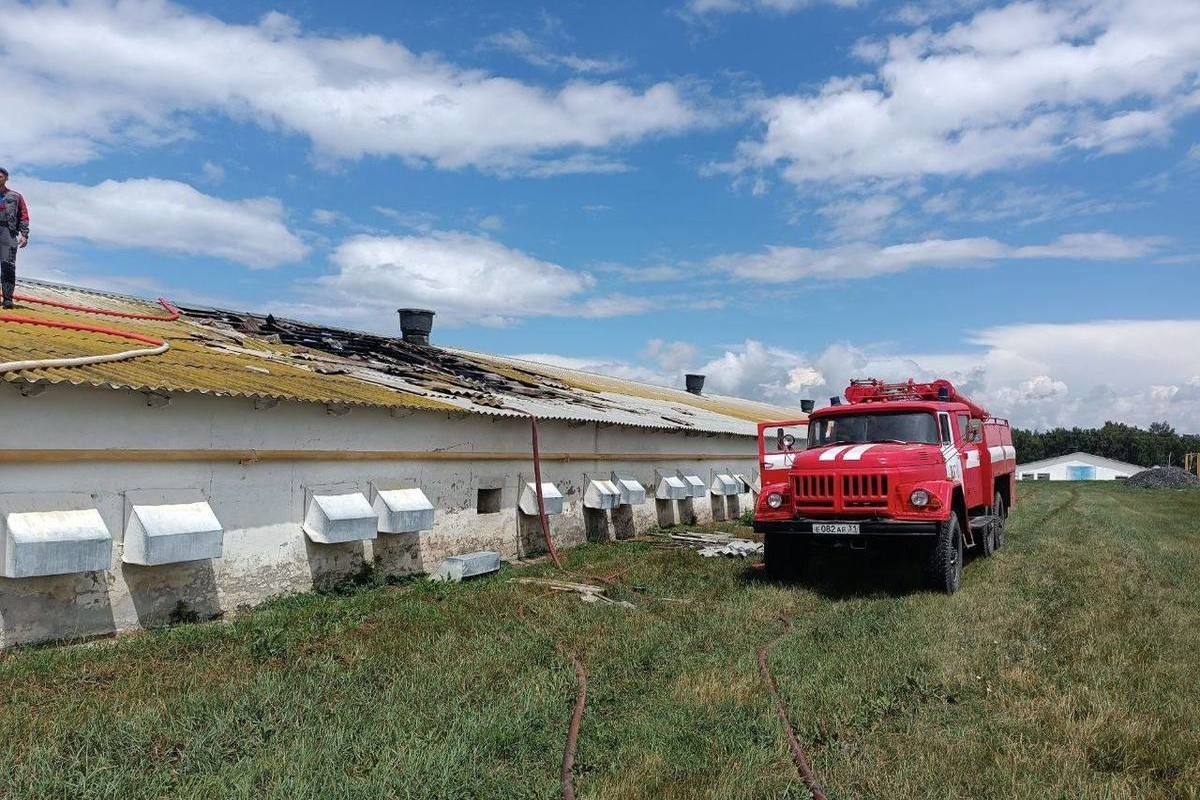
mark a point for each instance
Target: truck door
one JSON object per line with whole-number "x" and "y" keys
{"x": 975, "y": 473}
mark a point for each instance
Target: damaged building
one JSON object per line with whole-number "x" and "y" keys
{"x": 256, "y": 456}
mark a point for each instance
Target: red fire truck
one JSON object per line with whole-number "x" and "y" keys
{"x": 911, "y": 465}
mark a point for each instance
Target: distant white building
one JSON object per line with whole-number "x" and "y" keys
{"x": 1076, "y": 467}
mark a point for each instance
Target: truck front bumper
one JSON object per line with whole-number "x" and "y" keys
{"x": 868, "y": 528}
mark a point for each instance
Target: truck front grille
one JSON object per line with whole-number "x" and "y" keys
{"x": 864, "y": 491}
{"x": 840, "y": 492}
{"x": 814, "y": 490}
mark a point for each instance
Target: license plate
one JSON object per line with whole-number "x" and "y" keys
{"x": 836, "y": 527}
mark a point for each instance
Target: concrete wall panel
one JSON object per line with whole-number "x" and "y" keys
{"x": 262, "y": 504}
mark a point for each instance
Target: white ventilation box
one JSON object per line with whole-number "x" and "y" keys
{"x": 53, "y": 543}
{"x": 601, "y": 494}
{"x": 725, "y": 485}
{"x": 744, "y": 483}
{"x": 169, "y": 533}
{"x": 469, "y": 565}
{"x": 696, "y": 487}
{"x": 672, "y": 487}
{"x": 631, "y": 489}
{"x": 552, "y": 499}
{"x": 337, "y": 518}
{"x": 403, "y": 511}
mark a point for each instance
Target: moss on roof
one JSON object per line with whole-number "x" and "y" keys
{"x": 193, "y": 364}
{"x": 226, "y": 353}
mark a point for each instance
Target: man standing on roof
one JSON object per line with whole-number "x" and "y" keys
{"x": 14, "y": 234}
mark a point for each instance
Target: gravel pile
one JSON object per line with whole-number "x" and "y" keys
{"x": 1164, "y": 478}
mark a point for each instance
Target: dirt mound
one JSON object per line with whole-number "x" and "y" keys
{"x": 1164, "y": 478}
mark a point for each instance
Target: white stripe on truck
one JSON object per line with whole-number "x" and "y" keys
{"x": 856, "y": 453}
{"x": 834, "y": 452}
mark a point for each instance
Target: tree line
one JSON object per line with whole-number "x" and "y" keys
{"x": 1160, "y": 444}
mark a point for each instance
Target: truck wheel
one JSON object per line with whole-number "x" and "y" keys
{"x": 987, "y": 540}
{"x": 943, "y": 566}
{"x": 782, "y": 553}
{"x": 1001, "y": 512}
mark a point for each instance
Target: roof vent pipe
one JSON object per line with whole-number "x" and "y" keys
{"x": 807, "y": 405}
{"x": 836, "y": 400}
{"x": 694, "y": 383}
{"x": 415, "y": 324}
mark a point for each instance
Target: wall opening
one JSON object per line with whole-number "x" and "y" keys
{"x": 666, "y": 512}
{"x": 595, "y": 523}
{"x": 622, "y": 522}
{"x": 718, "y": 507}
{"x": 487, "y": 501}
{"x": 530, "y": 539}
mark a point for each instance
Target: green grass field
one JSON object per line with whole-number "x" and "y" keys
{"x": 1068, "y": 666}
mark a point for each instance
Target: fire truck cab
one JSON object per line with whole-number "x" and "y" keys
{"x": 915, "y": 466}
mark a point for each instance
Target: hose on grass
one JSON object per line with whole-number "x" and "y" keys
{"x": 158, "y": 346}
{"x": 567, "y": 777}
{"x": 798, "y": 758}
{"x": 567, "y": 773}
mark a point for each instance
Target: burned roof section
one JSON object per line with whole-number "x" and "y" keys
{"x": 437, "y": 369}
{"x": 235, "y": 354}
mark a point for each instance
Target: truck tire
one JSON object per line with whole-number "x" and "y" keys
{"x": 1001, "y": 512}
{"x": 943, "y": 565}
{"x": 987, "y": 540}
{"x": 783, "y": 554}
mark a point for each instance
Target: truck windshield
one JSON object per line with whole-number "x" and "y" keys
{"x": 908, "y": 427}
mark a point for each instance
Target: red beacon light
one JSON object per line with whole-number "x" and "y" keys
{"x": 872, "y": 390}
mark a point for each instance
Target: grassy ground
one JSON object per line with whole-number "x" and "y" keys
{"x": 1067, "y": 667}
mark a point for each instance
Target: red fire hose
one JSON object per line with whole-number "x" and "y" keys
{"x": 157, "y": 347}
{"x": 798, "y": 758}
{"x": 172, "y": 312}
{"x": 537, "y": 483}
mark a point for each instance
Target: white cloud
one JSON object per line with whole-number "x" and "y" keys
{"x": 89, "y": 75}
{"x": 782, "y": 264}
{"x": 491, "y": 222}
{"x": 1026, "y": 205}
{"x": 659, "y": 273}
{"x": 465, "y": 277}
{"x": 166, "y": 216}
{"x": 860, "y": 218}
{"x": 670, "y": 357}
{"x": 698, "y": 8}
{"x": 1038, "y": 375}
{"x": 538, "y": 53}
{"x": 212, "y": 173}
{"x": 1014, "y": 84}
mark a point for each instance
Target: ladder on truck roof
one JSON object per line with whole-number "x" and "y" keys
{"x": 872, "y": 390}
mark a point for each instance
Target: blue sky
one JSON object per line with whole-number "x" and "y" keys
{"x": 781, "y": 194}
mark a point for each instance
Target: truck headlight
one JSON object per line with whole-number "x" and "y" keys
{"x": 775, "y": 500}
{"x": 919, "y": 498}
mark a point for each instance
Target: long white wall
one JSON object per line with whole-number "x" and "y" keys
{"x": 261, "y": 505}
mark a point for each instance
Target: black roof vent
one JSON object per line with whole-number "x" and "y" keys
{"x": 694, "y": 383}
{"x": 415, "y": 324}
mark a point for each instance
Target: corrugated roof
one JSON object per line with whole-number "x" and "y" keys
{"x": 247, "y": 355}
